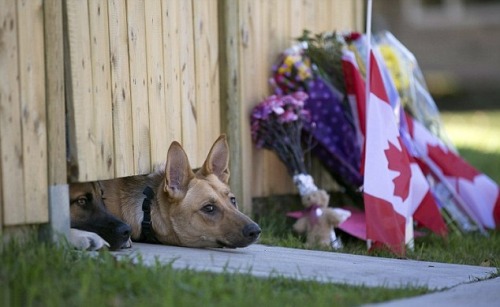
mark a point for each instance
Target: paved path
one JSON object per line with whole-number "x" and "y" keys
{"x": 484, "y": 293}
{"x": 265, "y": 261}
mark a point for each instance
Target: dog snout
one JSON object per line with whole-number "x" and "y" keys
{"x": 251, "y": 231}
{"x": 124, "y": 231}
{"x": 121, "y": 229}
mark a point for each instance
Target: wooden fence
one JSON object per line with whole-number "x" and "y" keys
{"x": 107, "y": 85}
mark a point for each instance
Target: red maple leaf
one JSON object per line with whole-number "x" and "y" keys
{"x": 399, "y": 162}
{"x": 450, "y": 163}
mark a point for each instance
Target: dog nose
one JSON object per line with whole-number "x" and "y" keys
{"x": 251, "y": 231}
{"x": 124, "y": 230}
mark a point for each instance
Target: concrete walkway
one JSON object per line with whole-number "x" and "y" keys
{"x": 484, "y": 293}
{"x": 458, "y": 281}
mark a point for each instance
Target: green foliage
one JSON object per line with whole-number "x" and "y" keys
{"x": 325, "y": 50}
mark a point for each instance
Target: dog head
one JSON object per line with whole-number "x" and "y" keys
{"x": 88, "y": 212}
{"x": 201, "y": 209}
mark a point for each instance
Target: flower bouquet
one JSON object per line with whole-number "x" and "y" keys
{"x": 276, "y": 124}
{"x": 313, "y": 66}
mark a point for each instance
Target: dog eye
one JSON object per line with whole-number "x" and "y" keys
{"x": 208, "y": 208}
{"x": 81, "y": 201}
{"x": 233, "y": 201}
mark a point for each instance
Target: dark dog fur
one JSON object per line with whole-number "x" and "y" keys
{"x": 89, "y": 214}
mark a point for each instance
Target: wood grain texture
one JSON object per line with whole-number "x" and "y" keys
{"x": 139, "y": 95}
{"x": 120, "y": 90}
{"x": 33, "y": 112}
{"x": 189, "y": 112}
{"x": 156, "y": 81}
{"x": 173, "y": 104}
{"x": 82, "y": 140}
{"x": 206, "y": 75}
{"x": 11, "y": 146}
{"x": 54, "y": 84}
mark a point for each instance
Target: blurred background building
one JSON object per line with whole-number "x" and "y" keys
{"x": 457, "y": 45}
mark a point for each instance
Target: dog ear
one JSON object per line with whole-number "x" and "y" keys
{"x": 217, "y": 161}
{"x": 178, "y": 172}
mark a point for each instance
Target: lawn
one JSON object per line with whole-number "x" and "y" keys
{"x": 39, "y": 274}
{"x": 477, "y": 137}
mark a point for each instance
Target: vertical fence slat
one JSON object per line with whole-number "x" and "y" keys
{"x": 54, "y": 76}
{"x": 33, "y": 113}
{"x": 82, "y": 141}
{"x": 120, "y": 77}
{"x": 11, "y": 147}
{"x": 171, "y": 34}
{"x": 230, "y": 96}
{"x": 139, "y": 86}
{"x": 101, "y": 118}
{"x": 279, "y": 39}
{"x": 206, "y": 75}
{"x": 188, "y": 91}
{"x": 297, "y": 13}
{"x": 156, "y": 81}
{"x": 56, "y": 118}
{"x": 256, "y": 17}
{"x": 357, "y": 20}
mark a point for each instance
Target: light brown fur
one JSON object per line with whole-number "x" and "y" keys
{"x": 194, "y": 209}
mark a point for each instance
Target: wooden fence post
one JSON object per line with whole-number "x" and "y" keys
{"x": 56, "y": 118}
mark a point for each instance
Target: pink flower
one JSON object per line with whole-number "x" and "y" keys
{"x": 302, "y": 96}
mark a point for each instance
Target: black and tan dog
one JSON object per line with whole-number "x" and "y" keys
{"x": 92, "y": 226}
{"x": 177, "y": 206}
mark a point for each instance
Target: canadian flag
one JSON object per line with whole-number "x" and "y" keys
{"x": 404, "y": 191}
{"x": 478, "y": 193}
{"x": 355, "y": 89}
{"x": 394, "y": 186}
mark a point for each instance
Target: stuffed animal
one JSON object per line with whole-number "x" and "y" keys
{"x": 318, "y": 220}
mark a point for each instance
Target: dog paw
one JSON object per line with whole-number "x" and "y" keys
{"x": 85, "y": 240}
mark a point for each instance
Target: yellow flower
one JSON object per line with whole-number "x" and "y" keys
{"x": 393, "y": 62}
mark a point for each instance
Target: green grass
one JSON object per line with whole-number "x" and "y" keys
{"x": 470, "y": 249}
{"x": 37, "y": 274}
{"x": 476, "y": 134}
{"x": 40, "y": 274}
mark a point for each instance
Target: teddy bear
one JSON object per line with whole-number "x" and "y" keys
{"x": 318, "y": 220}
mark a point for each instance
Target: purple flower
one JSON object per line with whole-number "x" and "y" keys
{"x": 276, "y": 124}
{"x": 288, "y": 116}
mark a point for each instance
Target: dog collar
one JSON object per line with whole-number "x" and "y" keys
{"x": 147, "y": 234}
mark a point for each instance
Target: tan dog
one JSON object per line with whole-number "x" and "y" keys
{"x": 185, "y": 208}
{"x": 92, "y": 226}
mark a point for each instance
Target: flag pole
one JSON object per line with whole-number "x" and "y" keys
{"x": 367, "y": 75}
{"x": 368, "y": 48}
